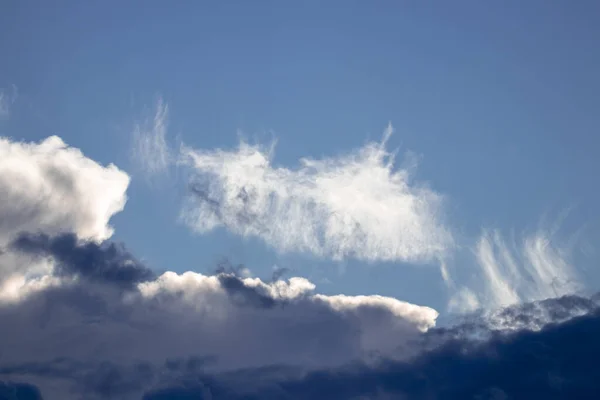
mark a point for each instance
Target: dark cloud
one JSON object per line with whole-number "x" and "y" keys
{"x": 106, "y": 262}
{"x": 191, "y": 340}
{"x": 19, "y": 391}
{"x": 558, "y": 362}
{"x": 243, "y": 295}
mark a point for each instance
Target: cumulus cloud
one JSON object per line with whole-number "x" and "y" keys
{"x": 151, "y": 151}
{"x": 534, "y": 268}
{"x": 354, "y": 205}
{"x": 81, "y": 316}
{"x": 52, "y": 188}
{"x": 467, "y": 361}
{"x": 109, "y": 308}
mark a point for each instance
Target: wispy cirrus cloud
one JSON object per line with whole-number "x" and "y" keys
{"x": 7, "y": 99}
{"x": 357, "y": 205}
{"x": 150, "y": 150}
{"x": 354, "y": 205}
{"x": 533, "y": 267}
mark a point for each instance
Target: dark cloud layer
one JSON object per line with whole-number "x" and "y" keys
{"x": 87, "y": 338}
{"x": 559, "y": 361}
{"x": 19, "y": 391}
{"x": 106, "y": 262}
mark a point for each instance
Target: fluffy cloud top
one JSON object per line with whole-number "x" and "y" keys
{"x": 51, "y": 187}
{"x": 355, "y": 205}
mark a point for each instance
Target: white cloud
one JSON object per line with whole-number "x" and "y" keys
{"x": 355, "y": 205}
{"x": 150, "y": 148}
{"x": 51, "y": 187}
{"x": 535, "y": 268}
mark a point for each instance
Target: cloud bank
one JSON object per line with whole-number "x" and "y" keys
{"x": 109, "y": 311}
{"x": 354, "y": 205}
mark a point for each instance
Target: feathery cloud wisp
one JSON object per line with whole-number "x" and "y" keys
{"x": 356, "y": 205}
{"x": 150, "y": 150}
{"x": 536, "y": 268}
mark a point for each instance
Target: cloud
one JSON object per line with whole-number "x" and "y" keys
{"x": 535, "y": 268}
{"x": 468, "y": 361}
{"x": 98, "y": 263}
{"x": 557, "y": 361}
{"x": 83, "y": 318}
{"x": 151, "y": 151}
{"x": 7, "y": 99}
{"x": 109, "y": 316}
{"x": 354, "y": 205}
{"x": 231, "y": 337}
{"x": 52, "y": 188}
{"x": 19, "y": 391}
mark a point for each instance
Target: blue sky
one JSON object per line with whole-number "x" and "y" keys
{"x": 499, "y": 101}
{"x": 410, "y": 188}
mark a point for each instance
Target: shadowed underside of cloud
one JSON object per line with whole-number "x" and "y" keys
{"x": 229, "y": 337}
{"x": 19, "y": 391}
{"x": 355, "y": 205}
{"x": 469, "y": 361}
{"x": 556, "y": 362}
{"x": 93, "y": 261}
{"x": 85, "y": 334}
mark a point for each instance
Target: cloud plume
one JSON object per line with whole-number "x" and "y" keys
{"x": 355, "y": 205}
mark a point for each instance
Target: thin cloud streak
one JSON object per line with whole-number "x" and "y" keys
{"x": 535, "y": 268}
{"x": 150, "y": 151}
